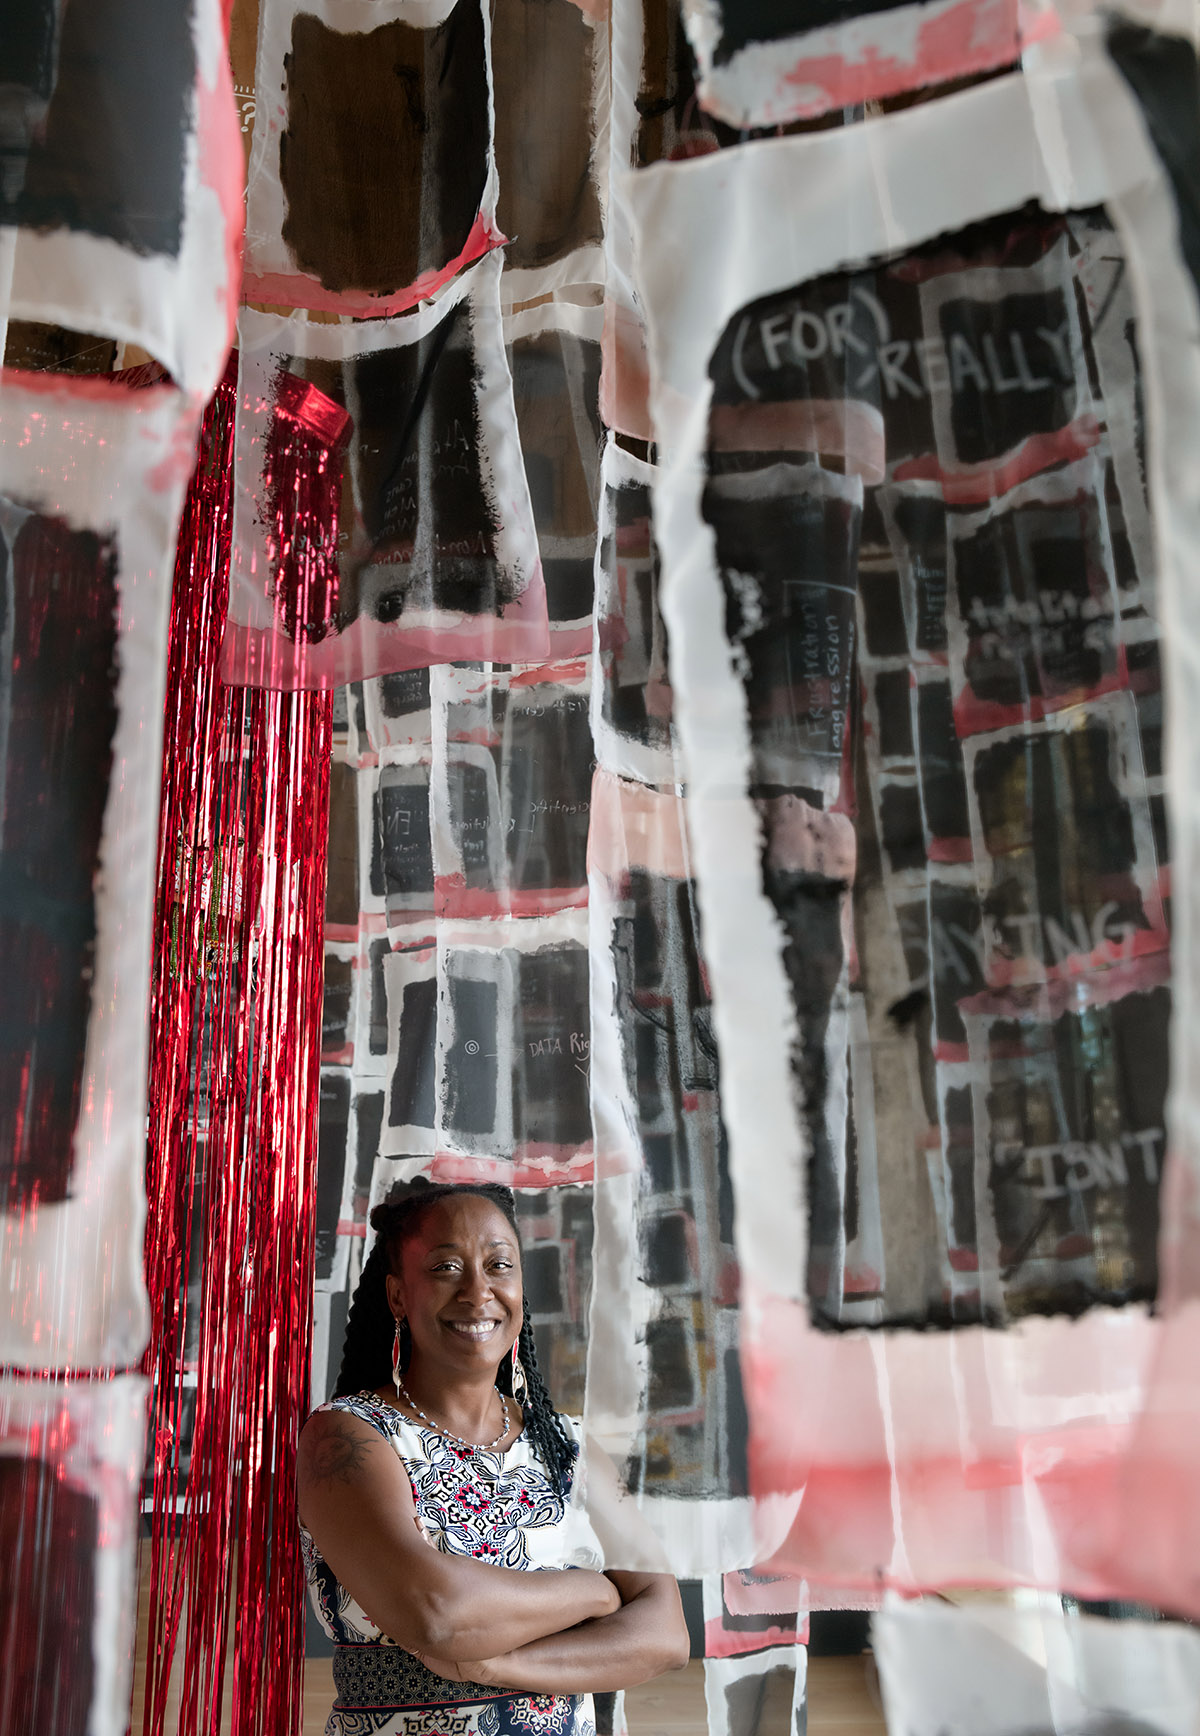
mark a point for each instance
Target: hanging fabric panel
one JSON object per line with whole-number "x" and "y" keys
{"x": 512, "y": 793}
{"x": 631, "y": 693}
{"x": 120, "y": 199}
{"x": 758, "y": 1692}
{"x": 437, "y": 550}
{"x": 509, "y": 1053}
{"x": 764, "y": 64}
{"x": 372, "y": 180}
{"x": 1032, "y": 1666}
{"x": 654, "y": 118}
{"x": 432, "y": 953}
{"x": 665, "y": 1400}
{"x": 91, "y": 482}
{"x": 70, "y": 1454}
{"x": 931, "y": 672}
{"x": 747, "y": 1611}
{"x": 550, "y": 84}
{"x": 1157, "y": 1526}
{"x": 554, "y": 357}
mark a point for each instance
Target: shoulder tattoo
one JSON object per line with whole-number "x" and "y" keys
{"x": 338, "y": 1453}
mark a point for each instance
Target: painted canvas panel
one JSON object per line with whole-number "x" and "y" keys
{"x": 91, "y": 483}
{"x": 550, "y": 85}
{"x": 70, "y": 1456}
{"x": 371, "y": 179}
{"x": 964, "y": 957}
{"x": 665, "y": 1382}
{"x": 773, "y": 61}
{"x": 120, "y": 194}
{"x": 437, "y": 555}
{"x": 554, "y": 355}
{"x": 631, "y": 694}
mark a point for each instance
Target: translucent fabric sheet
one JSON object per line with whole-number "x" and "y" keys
{"x": 657, "y": 116}
{"x": 351, "y": 1081}
{"x": 665, "y": 1402}
{"x": 1156, "y": 1533}
{"x": 120, "y": 195}
{"x": 1010, "y": 1087}
{"x": 654, "y": 117}
{"x": 763, "y": 63}
{"x": 746, "y": 1612}
{"x": 631, "y": 693}
{"x": 70, "y": 1453}
{"x": 554, "y": 357}
{"x": 488, "y": 816}
{"x": 91, "y": 482}
{"x": 1033, "y": 1668}
{"x": 512, "y": 791}
{"x": 438, "y": 554}
{"x": 436, "y": 1024}
{"x": 372, "y": 180}
{"x": 550, "y": 86}
{"x": 556, "y": 1239}
{"x": 465, "y": 1004}
{"x": 488, "y": 1042}
{"x": 758, "y": 1692}
{"x": 665, "y": 1388}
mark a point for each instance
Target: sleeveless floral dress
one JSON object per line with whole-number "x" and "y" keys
{"x": 499, "y": 1507}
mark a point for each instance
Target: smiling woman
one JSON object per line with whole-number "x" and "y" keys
{"x": 427, "y": 1495}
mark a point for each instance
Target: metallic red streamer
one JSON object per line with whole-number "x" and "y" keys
{"x": 231, "y": 1169}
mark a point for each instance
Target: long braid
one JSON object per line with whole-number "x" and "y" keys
{"x": 544, "y": 1426}
{"x": 370, "y": 1327}
{"x": 367, "y": 1346}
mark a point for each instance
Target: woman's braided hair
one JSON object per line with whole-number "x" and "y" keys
{"x": 371, "y": 1326}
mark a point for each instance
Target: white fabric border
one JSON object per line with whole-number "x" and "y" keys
{"x": 583, "y": 321}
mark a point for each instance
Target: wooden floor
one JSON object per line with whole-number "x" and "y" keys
{"x": 842, "y": 1701}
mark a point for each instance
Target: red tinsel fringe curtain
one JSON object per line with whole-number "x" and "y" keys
{"x": 234, "y": 1090}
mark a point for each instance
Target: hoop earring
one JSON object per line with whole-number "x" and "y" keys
{"x": 398, "y": 1353}
{"x": 520, "y": 1386}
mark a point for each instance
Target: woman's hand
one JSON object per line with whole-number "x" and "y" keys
{"x": 608, "y": 1598}
{"x": 487, "y": 1671}
{"x": 614, "y": 1600}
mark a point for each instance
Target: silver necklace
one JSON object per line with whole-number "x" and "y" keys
{"x": 468, "y": 1446}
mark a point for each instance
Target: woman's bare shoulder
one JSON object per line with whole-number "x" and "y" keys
{"x": 340, "y": 1440}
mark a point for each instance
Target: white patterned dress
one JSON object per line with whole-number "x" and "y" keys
{"x": 499, "y": 1507}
